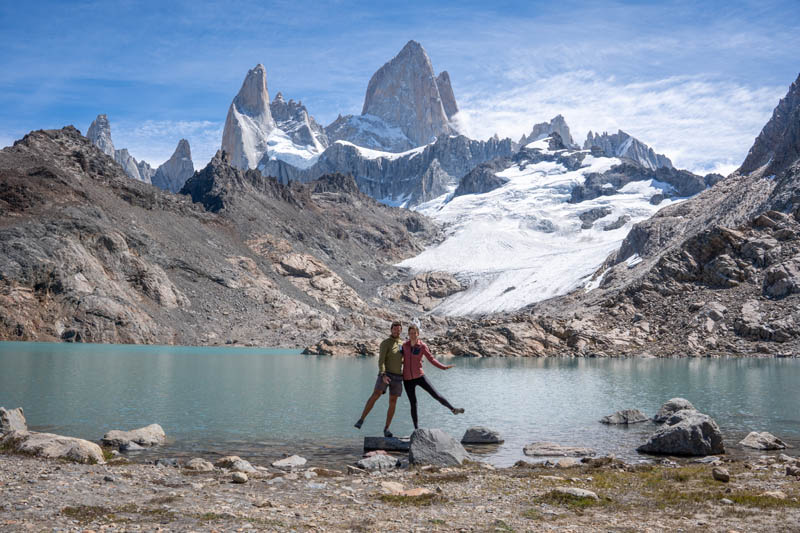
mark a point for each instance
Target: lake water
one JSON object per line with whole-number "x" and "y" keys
{"x": 261, "y": 404}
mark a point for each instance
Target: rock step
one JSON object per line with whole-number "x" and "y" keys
{"x": 390, "y": 444}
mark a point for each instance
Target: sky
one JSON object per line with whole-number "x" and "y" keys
{"x": 695, "y": 80}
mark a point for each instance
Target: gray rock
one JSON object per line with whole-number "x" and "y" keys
{"x": 404, "y": 93}
{"x": 390, "y": 444}
{"x": 577, "y": 493}
{"x": 720, "y": 474}
{"x": 792, "y": 470}
{"x": 762, "y": 441}
{"x": 130, "y": 446}
{"x": 200, "y": 465}
{"x": 293, "y": 461}
{"x": 545, "y": 129}
{"x": 293, "y": 119}
{"x": 481, "y": 435}
{"x": 176, "y": 170}
{"x": 53, "y": 446}
{"x": 621, "y": 144}
{"x": 235, "y": 463}
{"x": 152, "y": 435}
{"x": 686, "y": 432}
{"x": 596, "y": 213}
{"x": 239, "y": 477}
{"x": 435, "y": 447}
{"x": 621, "y": 221}
{"x": 378, "y": 463}
{"x": 167, "y": 461}
{"x": 726, "y": 501}
{"x": 446, "y": 92}
{"x": 670, "y": 407}
{"x": 626, "y": 416}
{"x": 783, "y": 279}
{"x": 483, "y": 178}
{"x": 551, "y": 449}
{"x": 12, "y": 420}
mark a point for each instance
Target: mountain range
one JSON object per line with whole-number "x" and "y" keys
{"x": 301, "y": 235}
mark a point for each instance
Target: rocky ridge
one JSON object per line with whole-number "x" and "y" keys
{"x": 100, "y": 134}
{"x": 621, "y": 144}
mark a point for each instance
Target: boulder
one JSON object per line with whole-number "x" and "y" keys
{"x": 53, "y": 446}
{"x": 235, "y": 463}
{"x": 481, "y": 435}
{"x": 239, "y": 477}
{"x": 762, "y": 441}
{"x": 720, "y": 474}
{"x": 783, "y": 279}
{"x": 551, "y": 449}
{"x": 152, "y": 435}
{"x": 392, "y": 487}
{"x": 435, "y": 447}
{"x": 378, "y": 463}
{"x": 12, "y": 420}
{"x": 626, "y": 416}
{"x": 293, "y": 461}
{"x": 199, "y": 465}
{"x": 686, "y": 432}
{"x": 673, "y": 405}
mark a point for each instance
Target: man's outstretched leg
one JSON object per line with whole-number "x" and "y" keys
{"x": 368, "y": 407}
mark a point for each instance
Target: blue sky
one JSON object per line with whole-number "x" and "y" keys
{"x": 696, "y": 80}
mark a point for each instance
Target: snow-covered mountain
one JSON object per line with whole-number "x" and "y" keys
{"x": 99, "y": 133}
{"x": 621, "y": 144}
{"x": 525, "y": 235}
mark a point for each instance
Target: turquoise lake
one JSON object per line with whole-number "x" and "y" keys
{"x": 261, "y": 404}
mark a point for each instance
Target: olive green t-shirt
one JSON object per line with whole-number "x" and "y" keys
{"x": 391, "y": 358}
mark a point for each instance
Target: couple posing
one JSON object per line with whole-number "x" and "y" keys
{"x": 400, "y": 365}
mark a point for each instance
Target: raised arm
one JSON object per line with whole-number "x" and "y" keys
{"x": 432, "y": 359}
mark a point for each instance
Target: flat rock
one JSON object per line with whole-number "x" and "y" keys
{"x": 481, "y": 435}
{"x": 778, "y": 495}
{"x": 235, "y": 463}
{"x": 53, "y": 446}
{"x": 12, "y": 420}
{"x": 551, "y": 449}
{"x": 670, "y": 407}
{"x": 392, "y": 487}
{"x": 416, "y": 492}
{"x": 688, "y": 433}
{"x": 391, "y": 444}
{"x": 293, "y": 461}
{"x": 199, "y": 464}
{"x": 378, "y": 463}
{"x": 626, "y": 416}
{"x": 577, "y": 493}
{"x": 435, "y": 447}
{"x": 152, "y": 435}
{"x": 762, "y": 441}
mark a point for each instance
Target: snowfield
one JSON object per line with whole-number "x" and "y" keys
{"x": 523, "y": 242}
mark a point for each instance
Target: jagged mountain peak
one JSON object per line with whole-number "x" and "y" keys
{"x": 778, "y": 145}
{"x": 557, "y": 124}
{"x": 404, "y": 93}
{"x": 622, "y": 144}
{"x": 446, "y": 92}
{"x": 176, "y": 170}
{"x": 100, "y": 134}
{"x": 249, "y": 121}
{"x": 253, "y": 97}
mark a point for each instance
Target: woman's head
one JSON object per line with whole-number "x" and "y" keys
{"x": 413, "y": 331}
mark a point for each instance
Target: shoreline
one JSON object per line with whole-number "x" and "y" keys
{"x": 63, "y": 496}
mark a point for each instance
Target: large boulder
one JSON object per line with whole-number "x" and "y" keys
{"x": 378, "y": 463}
{"x": 672, "y": 406}
{"x": 53, "y": 446}
{"x": 762, "y": 441}
{"x": 481, "y": 435}
{"x": 12, "y": 420}
{"x": 686, "y": 432}
{"x": 626, "y": 416}
{"x": 435, "y": 447}
{"x": 551, "y": 449}
{"x": 151, "y": 435}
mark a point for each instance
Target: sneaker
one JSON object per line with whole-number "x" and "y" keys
{"x": 387, "y": 433}
{"x": 458, "y": 410}
{"x": 359, "y": 423}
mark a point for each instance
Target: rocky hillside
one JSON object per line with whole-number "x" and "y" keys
{"x": 718, "y": 274}
{"x": 87, "y": 254}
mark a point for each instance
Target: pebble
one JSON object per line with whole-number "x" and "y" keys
{"x": 239, "y": 477}
{"x": 720, "y": 474}
{"x": 726, "y": 501}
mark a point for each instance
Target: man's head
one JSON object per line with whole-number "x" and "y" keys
{"x": 397, "y": 327}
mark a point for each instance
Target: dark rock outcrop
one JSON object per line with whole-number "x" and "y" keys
{"x": 483, "y": 178}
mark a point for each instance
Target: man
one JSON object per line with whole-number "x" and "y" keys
{"x": 390, "y": 374}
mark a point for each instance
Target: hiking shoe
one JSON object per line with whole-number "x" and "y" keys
{"x": 387, "y": 433}
{"x": 458, "y": 410}
{"x": 358, "y": 424}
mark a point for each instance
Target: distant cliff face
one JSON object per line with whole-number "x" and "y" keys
{"x": 249, "y": 121}
{"x": 621, "y": 144}
{"x": 176, "y": 170}
{"x": 100, "y": 134}
{"x": 404, "y": 93}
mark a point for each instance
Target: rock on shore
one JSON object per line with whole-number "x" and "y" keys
{"x": 152, "y": 435}
{"x": 12, "y": 420}
{"x": 52, "y": 446}
{"x": 762, "y": 441}
{"x": 435, "y": 447}
{"x": 686, "y": 432}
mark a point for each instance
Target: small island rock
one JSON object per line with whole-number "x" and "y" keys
{"x": 671, "y": 407}
{"x": 688, "y": 433}
{"x": 626, "y": 416}
{"x": 152, "y": 435}
{"x": 481, "y": 435}
{"x": 762, "y": 441}
{"x": 551, "y": 449}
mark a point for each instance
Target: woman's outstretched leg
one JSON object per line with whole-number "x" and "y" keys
{"x": 425, "y": 384}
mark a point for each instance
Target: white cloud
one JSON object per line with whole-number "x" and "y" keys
{"x": 702, "y": 124}
{"x": 155, "y": 140}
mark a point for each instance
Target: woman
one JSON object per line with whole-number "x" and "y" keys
{"x": 413, "y": 376}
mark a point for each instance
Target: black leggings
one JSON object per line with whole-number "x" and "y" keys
{"x": 411, "y": 389}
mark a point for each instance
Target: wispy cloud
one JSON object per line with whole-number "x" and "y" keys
{"x": 702, "y": 124}
{"x": 155, "y": 140}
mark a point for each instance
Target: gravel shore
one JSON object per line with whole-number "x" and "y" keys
{"x": 53, "y": 495}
